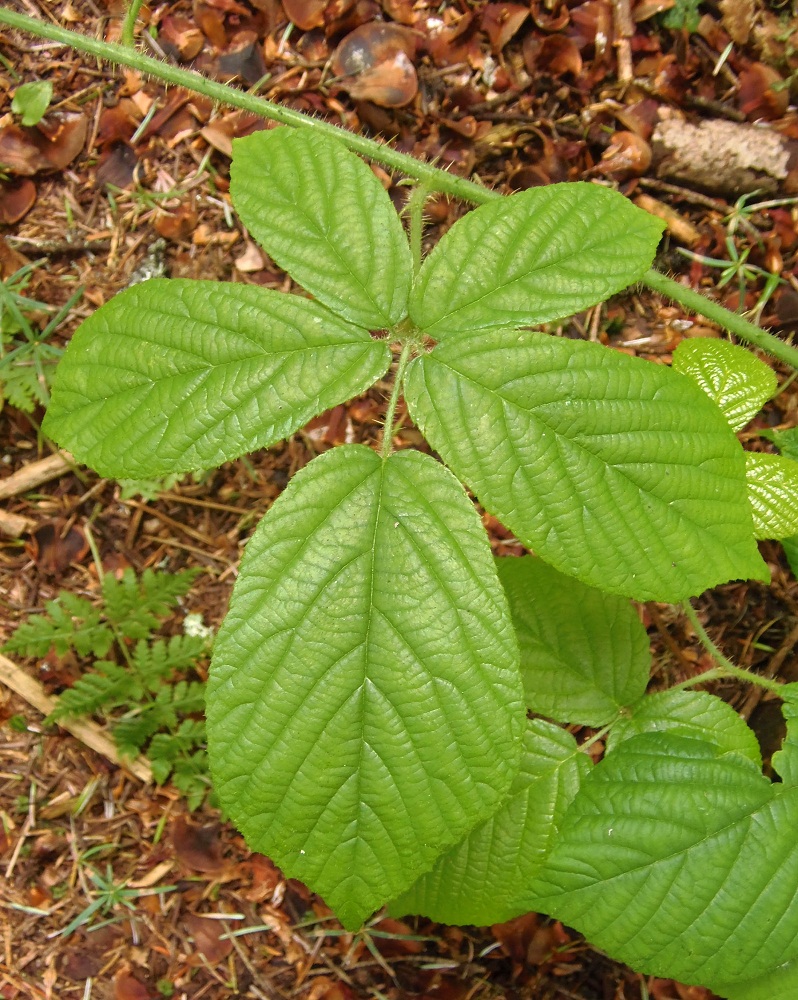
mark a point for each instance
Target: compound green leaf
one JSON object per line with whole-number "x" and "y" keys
{"x": 790, "y": 546}
{"x": 365, "y": 705}
{"x": 694, "y": 714}
{"x": 172, "y": 376}
{"x": 323, "y": 216}
{"x": 533, "y": 257}
{"x": 733, "y": 378}
{"x": 584, "y": 654}
{"x": 615, "y": 470}
{"x": 773, "y": 493}
{"x": 679, "y": 860}
{"x": 482, "y": 880}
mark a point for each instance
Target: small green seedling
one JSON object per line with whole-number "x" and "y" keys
{"x": 137, "y": 681}
{"x": 27, "y": 360}
{"x": 369, "y": 688}
{"x": 110, "y": 896}
{"x": 31, "y": 101}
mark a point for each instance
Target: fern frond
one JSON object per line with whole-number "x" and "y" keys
{"x": 107, "y": 687}
{"x": 157, "y": 661}
{"x": 137, "y": 606}
{"x": 69, "y": 622}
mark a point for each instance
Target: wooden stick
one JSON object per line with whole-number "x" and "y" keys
{"x": 88, "y": 732}
{"x": 35, "y": 474}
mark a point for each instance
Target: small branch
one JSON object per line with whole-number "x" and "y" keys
{"x": 88, "y": 732}
{"x": 34, "y": 474}
{"x": 623, "y": 29}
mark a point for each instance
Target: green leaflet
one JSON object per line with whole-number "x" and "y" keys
{"x": 584, "y": 654}
{"x": 695, "y": 714}
{"x": 531, "y": 258}
{"x": 322, "y": 215}
{"x": 773, "y": 493}
{"x": 781, "y": 984}
{"x": 733, "y": 378}
{"x": 615, "y": 470}
{"x": 177, "y": 375}
{"x": 785, "y": 441}
{"x": 681, "y": 861}
{"x": 482, "y": 880}
{"x": 365, "y": 705}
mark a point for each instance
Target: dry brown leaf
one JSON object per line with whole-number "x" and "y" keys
{"x": 501, "y": 21}
{"x": 53, "y": 549}
{"x": 761, "y": 93}
{"x": 178, "y": 224}
{"x": 251, "y": 259}
{"x": 198, "y": 847}
{"x": 208, "y": 938}
{"x": 26, "y": 151}
{"x": 16, "y": 199}
{"x": 305, "y": 14}
{"x": 127, "y": 987}
{"x": 555, "y": 54}
{"x": 628, "y": 155}
{"x": 375, "y": 61}
{"x": 180, "y": 37}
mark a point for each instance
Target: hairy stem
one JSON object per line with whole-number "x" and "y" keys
{"x": 737, "y": 324}
{"x": 415, "y": 210}
{"x": 434, "y": 178}
{"x": 390, "y": 413}
{"x": 725, "y": 666}
{"x": 129, "y": 24}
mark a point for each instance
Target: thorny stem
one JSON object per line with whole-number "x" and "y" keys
{"x": 415, "y": 211}
{"x": 387, "y": 430}
{"x": 725, "y": 666}
{"x": 129, "y": 24}
{"x": 434, "y": 178}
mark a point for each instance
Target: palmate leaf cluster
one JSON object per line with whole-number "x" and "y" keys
{"x": 136, "y": 680}
{"x": 368, "y": 697}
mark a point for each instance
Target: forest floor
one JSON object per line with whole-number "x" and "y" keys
{"x": 122, "y": 174}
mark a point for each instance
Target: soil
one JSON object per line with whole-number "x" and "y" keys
{"x": 123, "y": 174}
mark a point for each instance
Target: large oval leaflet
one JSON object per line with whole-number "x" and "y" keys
{"x": 177, "y": 375}
{"x": 617, "y": 471}
{"x": 365, "y": 704}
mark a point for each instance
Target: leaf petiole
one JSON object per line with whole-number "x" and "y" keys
{"x": 725, "y": 666}
{"x": 387, "y": 431}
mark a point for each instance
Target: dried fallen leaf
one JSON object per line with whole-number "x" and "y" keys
{"x": 208, "y": 939}
{"x": 762, "y": 93}
{"x": 47, "y": 146}
{"x": 501, "y": 21}
{"x": 555, "y": 54}
{"x": 305, "y": 14}
{"x": 180, "y": 37}
{"x": 53, "y": 549}
{"x": 375, "y": 61}
{"x": 198, "y": 847}
{"x": 251, "y": 259}
{"x": 16, "y": 200}
{"x": 627, "y": 155}
{"x": 127, "y": 987}
{"x": 178, "y": 224}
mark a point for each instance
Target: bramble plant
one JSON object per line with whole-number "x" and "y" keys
{"x": 137, "y": 681}
{"x": 367, "y": 701}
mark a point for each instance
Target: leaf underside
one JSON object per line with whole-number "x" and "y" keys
{"x": 322, "y": 215}
{"x": 681, "y": 861}
{"x": 773, "y": 493}
{"x": 733, "y": 378}
{"x": 584, "y": 654}
{"x": 615, "y": 470}
{"x": 365, "y": 705}
{"x": 481, "y": 880}
{"x": 533, "y": 257}
{"x": 174, "y": 376}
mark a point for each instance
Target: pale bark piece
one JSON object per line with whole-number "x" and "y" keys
{"x": 36, "y": 473}
{"x": 724, "y": 157}
{"x": 15, "y": 525}
{"x": 88, "y": 732}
